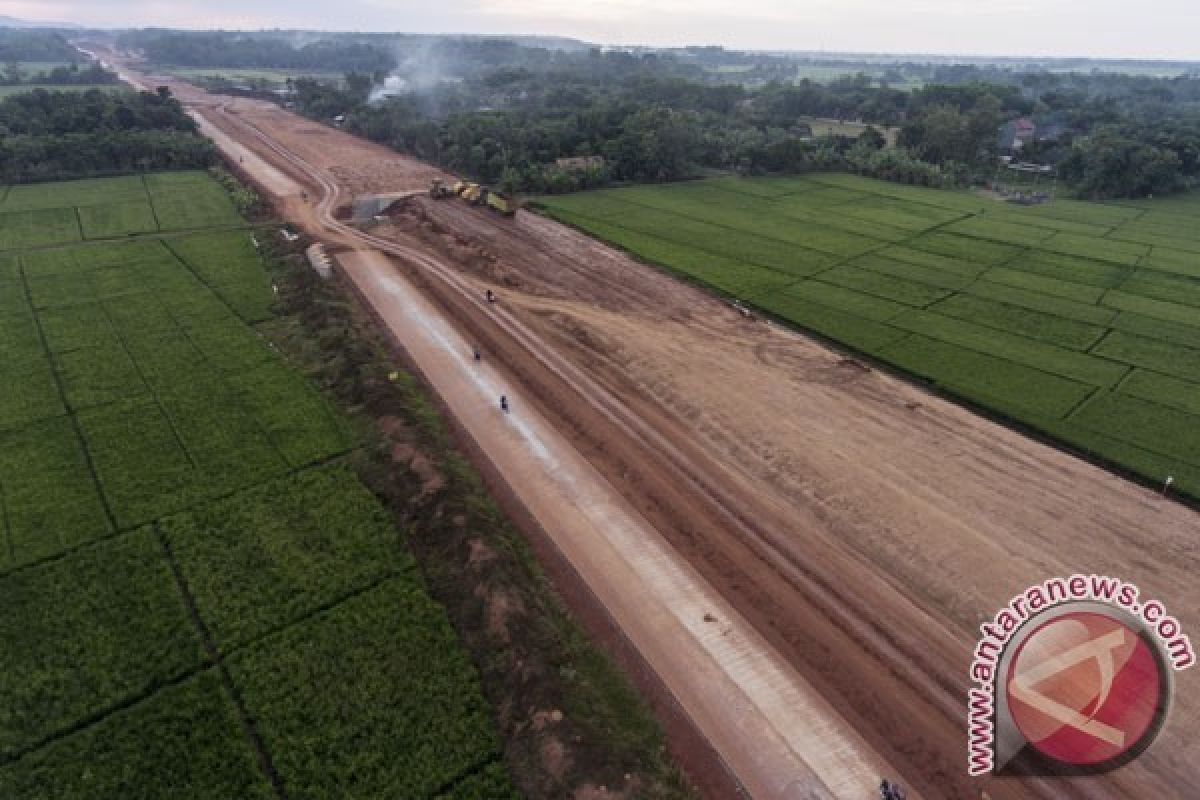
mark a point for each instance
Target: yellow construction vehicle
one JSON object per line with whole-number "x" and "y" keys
{"x": 472, "y": 193}
{"x": 502, "y": 204}
{"x": 476, "y": 195}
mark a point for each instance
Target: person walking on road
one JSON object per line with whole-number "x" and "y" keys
{"x": 490, "y": 295}
{"x": 478, "y": 357}
{"x": 504, "y": 403}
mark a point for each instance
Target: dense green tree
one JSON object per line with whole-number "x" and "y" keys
{"x": 55, "y": 135}
{"x": 504, "y": 111}
{"x": 1110, "y": 164}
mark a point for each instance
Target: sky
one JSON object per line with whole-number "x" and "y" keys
{"x": 1165, "y": 29}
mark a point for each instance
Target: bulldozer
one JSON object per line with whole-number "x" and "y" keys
{"x": 438, "y": 189}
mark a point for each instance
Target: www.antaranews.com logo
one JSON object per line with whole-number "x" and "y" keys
{"x": 1072, "y": 676}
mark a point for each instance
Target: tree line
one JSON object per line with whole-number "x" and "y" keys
{"x": 18, "y": 44}
{"x": 505, "y": 112}
{"x": 14, "y": 74}
{"x": 221, "y": 49}
{"x": 510, "y": 126}
{"x": 50, "y": 135}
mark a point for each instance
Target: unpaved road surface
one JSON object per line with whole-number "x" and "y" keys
{"x": 784, "y": 738}
{"x": 862, "y": 526}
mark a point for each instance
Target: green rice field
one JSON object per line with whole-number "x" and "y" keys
{"x": 40, "y": 214}
{"x": 238, "y": 74}
{"x": 201, "y": 599}
{"x": 1079, "y": 320}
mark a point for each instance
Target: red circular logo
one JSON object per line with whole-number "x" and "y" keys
{"x": 1084, "y": 688}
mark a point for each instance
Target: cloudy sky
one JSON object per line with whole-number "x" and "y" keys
{"x": 1112, "y": 28}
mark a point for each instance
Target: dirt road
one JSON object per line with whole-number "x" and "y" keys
{"x": 862, "y": 526}
{"x": 781, "y": 737}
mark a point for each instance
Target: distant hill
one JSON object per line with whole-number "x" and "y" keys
{"x": 14, "y": 22}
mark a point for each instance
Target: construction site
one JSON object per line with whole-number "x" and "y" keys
{"x": 800, "y": 547}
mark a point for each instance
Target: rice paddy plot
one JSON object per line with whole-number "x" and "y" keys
{"x": 931, "y": 276}
{"x": 184, "y": 740}
{"x": 1179, "y": 262}
{"x": 228, "y": 263}
{"x": 117, "y": 219}
{"x": 75, "y": 194}
{"x": 982, "y": 227}
{"x": 39, "y": 215}
{"x": 1023, "y": 322}
{"x": 168, "y": 482}
{"x": 90, "y": 632}
{"x": 20, "y": 229}
{"x": 390, "y": 655}
{"x": 1071, "y": 269}
{"x": 1171, "y": 392}
{"x": 1164, "y": 286}
{"x": 1035, "y": 313}
{"x": 186, "y": 205}
{"x": 1153, "y": 426}
{"x": 50, "y": 500}
{"x": 1018, "y": 387}
{"x": 271, "y": 556}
